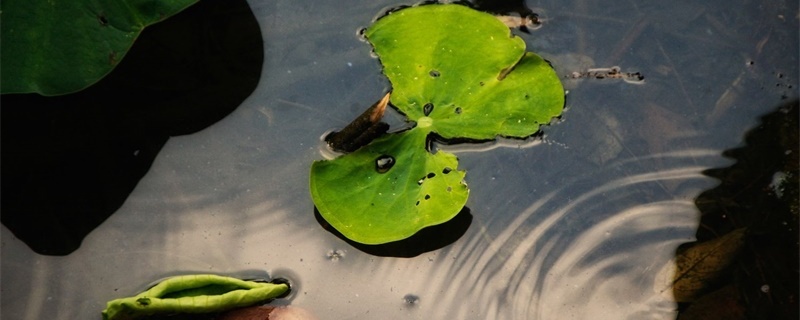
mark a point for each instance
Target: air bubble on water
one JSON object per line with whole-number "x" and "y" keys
{"x": 336, "y": 254}
{"x": 384, "y": 163}
{"x": 411, "y": 300}
{"x": 635, "y": 78}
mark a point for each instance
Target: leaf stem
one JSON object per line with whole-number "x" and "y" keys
{"x": 362, "y": 130}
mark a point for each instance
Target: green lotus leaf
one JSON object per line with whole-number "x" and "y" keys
{"x": 59, "y": 47}
{"x": 390, "y": 189}
{"x": 465, "y": 71}
{"x": 456, "y": 73}
{"x": 203, "y": 293}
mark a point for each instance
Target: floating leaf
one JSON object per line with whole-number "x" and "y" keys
{"x": 465, "y": 71}
{"x": 59, "y": 47}
{"x": 389, "y": 189}
{"x": 204, "y": 293}
{"x": 456, "y": 73}
{"x": 700, "y": 265}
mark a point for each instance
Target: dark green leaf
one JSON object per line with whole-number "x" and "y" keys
{"x": 59, "y": 47}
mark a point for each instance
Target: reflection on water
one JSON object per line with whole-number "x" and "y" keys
{"x": 753, "y": 215}
{"x": 576, "y": 227}
{"x": 70, "y": 161}
{"x": 428, "y": 239}
{"x": 579, "y": 250}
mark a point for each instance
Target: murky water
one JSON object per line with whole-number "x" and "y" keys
{"x": 573, "y": 227}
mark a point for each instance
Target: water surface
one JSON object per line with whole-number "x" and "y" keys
{"x": 573, "y": 226}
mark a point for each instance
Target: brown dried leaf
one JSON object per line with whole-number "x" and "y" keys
{"x": 699, "y": 265}
{"x": 723, "y": 304}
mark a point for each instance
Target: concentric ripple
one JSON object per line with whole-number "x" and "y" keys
{"x": 581, "y": 251}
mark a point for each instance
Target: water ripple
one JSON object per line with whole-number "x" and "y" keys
{"x": 580, "y": 251}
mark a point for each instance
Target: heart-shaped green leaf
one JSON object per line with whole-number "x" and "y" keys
{"x": 457, "y": 73}
{"x": 389, "y": 189}
{"x": 464, "y": 70}
{"x": 59, "y": 47}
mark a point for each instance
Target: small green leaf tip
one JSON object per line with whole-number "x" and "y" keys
{"x": 204, "y": 293}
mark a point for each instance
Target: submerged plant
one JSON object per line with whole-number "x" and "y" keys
{"x": 456, "y": 73}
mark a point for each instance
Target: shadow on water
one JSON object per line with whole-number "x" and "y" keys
{"x": 70, "y": 161}
{"x": 758, "y": 194}
{"x": 426, "y": 240}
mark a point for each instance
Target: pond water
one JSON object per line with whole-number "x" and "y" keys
{"x": 573, "y": 226}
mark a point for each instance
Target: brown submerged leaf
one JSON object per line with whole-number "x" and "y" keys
{"x": 700, "y": 265}
{"x": 723, "y": 304}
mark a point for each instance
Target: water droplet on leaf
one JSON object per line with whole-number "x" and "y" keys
{"x": 446, "y": 170}
{"x": 384, "y": 163}
{"x": 458, "y": 110}
{"x": 435, "y": 73}
{"x": 427, "y": 109}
